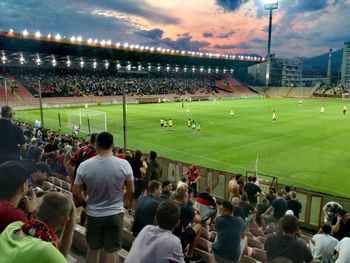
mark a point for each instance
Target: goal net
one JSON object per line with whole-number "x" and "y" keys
{"x": 89, "y": 121}
{"x": 345, "y": 96}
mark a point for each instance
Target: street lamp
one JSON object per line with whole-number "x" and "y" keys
{"x": 269, "y": 5}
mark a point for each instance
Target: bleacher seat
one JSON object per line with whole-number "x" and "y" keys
{"x": 65, "y": 185}
{"x": 246, "y": 259}
{"x": 204, "y": 244}
{"x": 259, "y": 254}
{"x": 79, "y": 239}
{"x": 51, "y": 179}
{"x": 252, "y": 242}
{"x": 57, "y": 182}
{"x": 257, "y": 232}
{"x": 128, "y": 239}
{"x": 47, "y": 186}
{"x": 206, "y": 256}
{"x": 122, "y": 254}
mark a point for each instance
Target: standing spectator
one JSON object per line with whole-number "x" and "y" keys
{"x": 287, "y": 244}
{"x": 343, "y": 251}
{"x": 166, "y": 190}
{"x": 233, "y": 188}
{"x": 157, "y": 243}
{"x": 248, "y": 209}
{"x": 12, "y": 139}
{"x": 276, "y": 211}
{"x": 294, "y": 204}
{"x": 237, "y": 210}
{"x": 261, "y": 209}
{"x": 105, "y": 177}
{"x": 206, "y": 204}
{"x": 323, "y": 245}
{"x": 36, "y": 240}
{"x": 252, "y": 191}
{"x": 193, "y": 177}
{"x": 341, "y": 226}
{"x": 35, "y": 150}
{"x": 13, "y": 188}
{"x": 331, "y": 211}
{"x": 50, "y": 152}
{"x": 138, "y": 172}
{"x": 230, "y": 230}
{"x": 154, "y": 170}
{"x": 147, "y": 207}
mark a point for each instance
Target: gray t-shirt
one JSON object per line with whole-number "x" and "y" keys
{"x": 324, "y": 247}
{"x": 104, "y": 178}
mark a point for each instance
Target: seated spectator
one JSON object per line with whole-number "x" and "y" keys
{"x": 35, "y": 150}
{"x": 13, "y": 188}
{"x": 206, "y": 204}
{"x": 189, "y": 227}
{"x": 271, "y": 195}
{"x": 166, "y": 190}
{"x": 230, "y": 230}
{"x": 343, "y": 251}
{"x": 287, "y": 244}
{"x": 36, "y": 240}
{"x": 261, "y": 209}
{"x": 147, "y": 207}
{"x": 323, "y": 245}
{"x": 237, "y": 210}
{"x": 247, "y": 208}
{"x": 276, "y": 211}
{"x": 294, "y": 204}
{"x": 39, "y": 175}
{"x": 331, "y": 211}
{"x": 157, "y": 243}
{"x": 341, "y": 226}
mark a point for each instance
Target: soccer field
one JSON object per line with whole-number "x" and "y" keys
{"x": 303, "y": 148}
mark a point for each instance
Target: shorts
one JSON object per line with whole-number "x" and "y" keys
{"x": 187, "y": 237}
{"x": 105, "y": 232}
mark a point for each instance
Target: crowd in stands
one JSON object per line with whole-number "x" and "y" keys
{"x": 68, "y": 82}
{"x": 332, "y": 90}
{"x": 170, "y": 219}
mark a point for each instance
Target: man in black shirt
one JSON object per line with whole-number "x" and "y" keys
{"x": 287, "y": 244}
{"x": 12, "y": 139}
{"x": 252, "y": 191}
{"x": 294, "y": 204}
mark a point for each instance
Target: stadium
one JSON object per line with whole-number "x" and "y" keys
{"x": 194, "y": 109}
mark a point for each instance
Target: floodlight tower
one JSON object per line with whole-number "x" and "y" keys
{"x": 270, "y": 5}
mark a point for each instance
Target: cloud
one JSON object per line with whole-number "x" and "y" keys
{"x": 241, "y": 45}
{"x": 226, "y": 34}
{"x": 155, "y": 33}
{"x": 184, "y": 42}
{"x": 208, "y": 35}
{"x": 230, "y": 5}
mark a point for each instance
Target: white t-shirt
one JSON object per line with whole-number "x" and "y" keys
{"x": 104, "y": 178}
{"x": 324, "y": 247}
{"x": 343, "y": 248}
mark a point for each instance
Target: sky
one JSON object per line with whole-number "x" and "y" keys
{"x": 302, "y": 28}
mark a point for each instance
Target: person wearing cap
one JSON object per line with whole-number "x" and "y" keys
{"x": 13, "y": 187}
{"x": 36, "y": 240}
{"x": 12, "y": 139}
{"x": 193, "y": 176}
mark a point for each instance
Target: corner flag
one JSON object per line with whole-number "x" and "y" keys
{"x": 256, "y": 169}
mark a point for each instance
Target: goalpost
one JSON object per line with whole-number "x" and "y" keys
{"x": 89, "y": 121}
{"x": 345, "y": 96}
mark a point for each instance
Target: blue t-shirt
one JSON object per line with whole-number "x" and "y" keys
{"x": 228, "y": 239}
{"x": 280, "y": 207}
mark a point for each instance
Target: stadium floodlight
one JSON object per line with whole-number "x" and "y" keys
{"x": 132, "y": 46}
{"x": 176, "y": 69}
{"x": 79, "y": 39}
{"x": 109, "y": 42}
{"x": 21, "y": 59}
{"x": 58, "y": 36}
{"x": 95, "y": 41}
{"x": 209, "y": 70}
{"x": 151, "y": 49}
{"x": 139, "y": 67}
{"x": 137, "y": 46}
{"x": 126, "y": 45}
{"x": 142, "y": 48}
{"x": 149, "y": 67}
{"x": 49, "y": 36}
{"x": 106, "y": 64}
{"x": 128, "y": 67}
{"x": 185, "y": 69}
{"x": 11, "y": 31}
{"x": 37, "y": 34}
{"x": 224, "y": 70}
{"x": 158, "y": 68}
{"x": 216, "y": 70}
{"x": 201, "y": 69}
{"x": 103, "y": 42}
{"x": 183, "y": 52}
{"x": 89, "y": 41}
{"x": 3, "y": 58}
{"x": 117, "y": 45}
{"x": 167, "y": 68}
{"x": 270, "y": 5}
{"x": 94, "y": 64}
{"x": 25, "y": 32}
{"x": 231, "y": 71}
{"x": 53, "y": 61}
{"x": 72, "y": 39}
{"x": 193, "y": 69}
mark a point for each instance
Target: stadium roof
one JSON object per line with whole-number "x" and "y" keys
{"x": 13, "y": 43}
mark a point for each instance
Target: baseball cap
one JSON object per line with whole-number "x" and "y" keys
{"x": 13, "y": 174}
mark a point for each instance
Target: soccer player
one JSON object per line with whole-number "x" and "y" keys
{"x": 193, "y": 126}
{"x": 232, "y": 112}
{"x": 344, "y": 110}
{"x": 322, "y": 110}
{"x": 170, "y": 122}
{"x": 300, "y": 102}
{"x": 189, "y": 123}
{"x": 165, "y": 124}
{"x": 274, "y": 116}
{"x": 161, "y": 123}
{"x": 198, "y": 128}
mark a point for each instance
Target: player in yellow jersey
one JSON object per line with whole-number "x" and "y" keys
{"x": 274, "y": 116}
{"x": 344, "y": 110}
{"x": 161, "y": 123}
{"x": 198, "y": 128}
{"x": 165, "y": 124}
{"x": 170, "y": 123}
{"x": 232, "y": 112}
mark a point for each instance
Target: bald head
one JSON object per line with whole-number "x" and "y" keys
{"x": 235, "y": 201}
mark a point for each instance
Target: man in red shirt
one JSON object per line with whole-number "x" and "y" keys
{"x": 193, "y": 176}
{"x": 13, "y": 188}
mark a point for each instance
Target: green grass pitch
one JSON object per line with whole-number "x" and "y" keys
{"x": 303, "y": 148}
